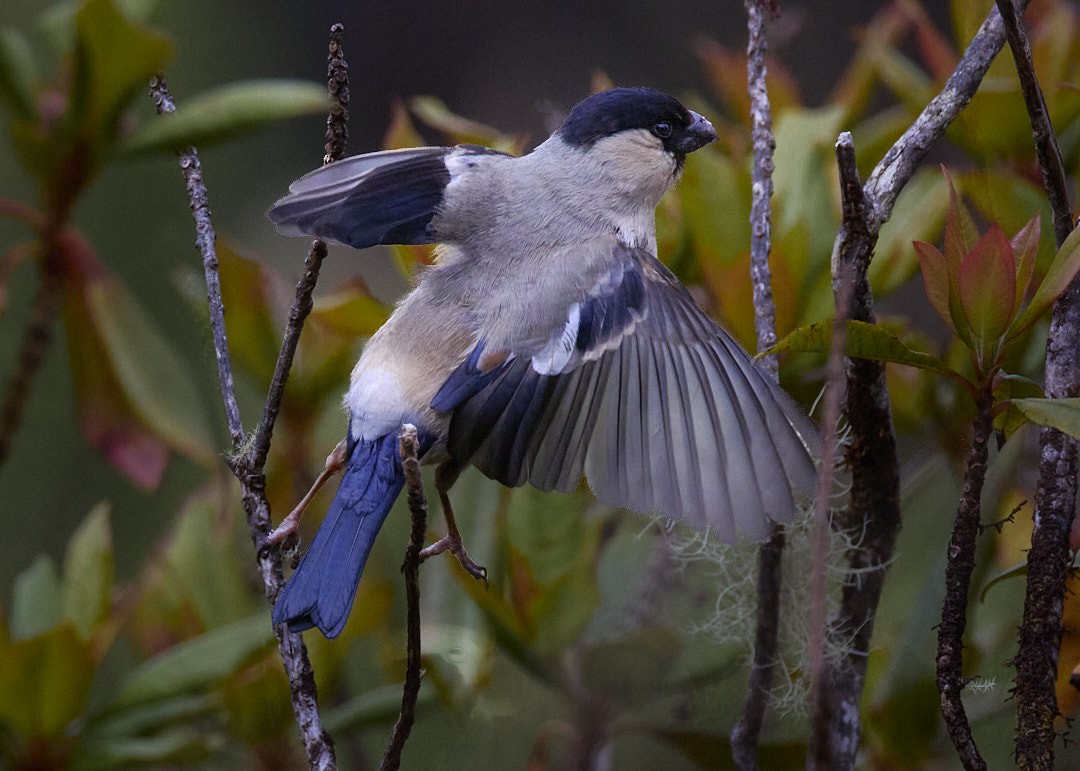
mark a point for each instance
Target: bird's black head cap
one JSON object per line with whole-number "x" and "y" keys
{"x": 621, "y": 109}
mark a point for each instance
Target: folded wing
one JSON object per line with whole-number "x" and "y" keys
{"x": 379, "y": 198}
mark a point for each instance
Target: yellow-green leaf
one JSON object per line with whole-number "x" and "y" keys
{"x": 36, "y": 604}
{"x": 197, "y": 663}
{"x": 225, "y": 112}
{"x": 44, "y": 683}
{"x": 1062, "y": 414}
{"x": 86, "y": 591}
{"x": 18, "y": 75}
{"x": 1058, "y": 277}
{"x": 865, "y": 341}
{"x": 115, "y": 58}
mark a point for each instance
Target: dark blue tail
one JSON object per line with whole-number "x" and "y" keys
{"x": 321, "y": 591}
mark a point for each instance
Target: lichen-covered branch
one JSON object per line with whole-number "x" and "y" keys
{"x": 1055, "y": 501}
{"x": 744, "y": 736}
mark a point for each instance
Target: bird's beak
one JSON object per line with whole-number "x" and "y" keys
{"x": 698, "y": 134}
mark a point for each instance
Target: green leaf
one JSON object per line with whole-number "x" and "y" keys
{"x": 175, "y": 746}
{"x": 18, "y": 75}
{"x": 866, "y": 341}
{"x": 1062, "y": 414}
{"x": 133, "y": 392}
{"x": 1058, "y": 277}
{"x": 114, "y": 60}
{"x": 434, "y": 112}
{"x": 86, "y": 592}
{"x": 1014, "y": 572}
{"x": 150, "y": 371}
{"x": 351, "y": 311}
{"x": 374, "y": 706}
{"x": 44, "y": 683}
{"x": 144, "y": 718}
{"x": 561, "y": 611}
{"x": 1006, "y": 389}
{"x": 917, "y": 215}
{"x": 106, "y": 417}
{"x": 195, "y": 664}
{"x": 57, "y": 21}
{"x": 36, "y": 602}
{"x": 226, "y": 112}
{"x": 987, "y": 288}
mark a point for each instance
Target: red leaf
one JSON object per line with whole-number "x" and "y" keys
{"x": 936, "y": 281}
{"x": 105, "y": 414}
{"x": 987, "y": 289}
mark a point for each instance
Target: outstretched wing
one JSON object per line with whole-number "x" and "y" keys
{"x": 645, "y": 396}
{"x": 379, "y": 198}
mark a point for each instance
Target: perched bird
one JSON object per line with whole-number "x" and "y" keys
{"x": 547, "y": 343}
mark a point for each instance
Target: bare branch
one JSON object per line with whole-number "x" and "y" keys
{"x": 1046, "y": 146}
{"x": 205, "y": 242}
{"x": 35, "y": 343}
{"x": 337, "y": 135}
{"x": 744, "y": 736}
{"x": 958, "y": 570}
{"x": 414, "y": 484}
{"x": 833, "y": 735}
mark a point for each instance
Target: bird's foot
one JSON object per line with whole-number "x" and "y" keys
{"x": 280, "y": 534}
{"x": 452, "y": 543}
{"x": 335, "y": 462}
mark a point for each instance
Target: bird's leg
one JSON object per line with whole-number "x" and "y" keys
{"x": 445, "y": 476}
{"x": 335, "y": 462}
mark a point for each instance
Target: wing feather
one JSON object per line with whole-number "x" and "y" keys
{"x": 649, "y": 400}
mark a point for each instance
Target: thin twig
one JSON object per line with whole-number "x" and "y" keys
{"x": 35, "y": 343}
{"x": 1046, "y": 146}
{"x": 745, "y": 734}
{"x": 958, "y": 570}
{"x": 824, "y": 748}
{"x": 205, "y": 241}
{"x": 414, "y": 485}
{"x": 337, "y": 135}
{"x": 1055, "y": 500}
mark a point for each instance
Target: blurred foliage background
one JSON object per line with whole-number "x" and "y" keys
{"x": 133, "y": 630}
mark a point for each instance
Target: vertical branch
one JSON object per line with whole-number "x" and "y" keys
{"x": 958, "y": 570}
{"x": 205, "y": 242}
{"x": 35, "y": 343}
{"x": 745, "y": 734}
{"x": 337, "y": 134}
{"x": 835, "y": 693}
{"x": 1055, "y": 500}
{"x": 249, "y": 466}
{"x": 414, "y": 484}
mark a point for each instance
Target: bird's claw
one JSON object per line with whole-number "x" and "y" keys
{"x": 452, "y": 543}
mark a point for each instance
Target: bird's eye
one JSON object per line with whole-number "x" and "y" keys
{"x": 662, "y": 129}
